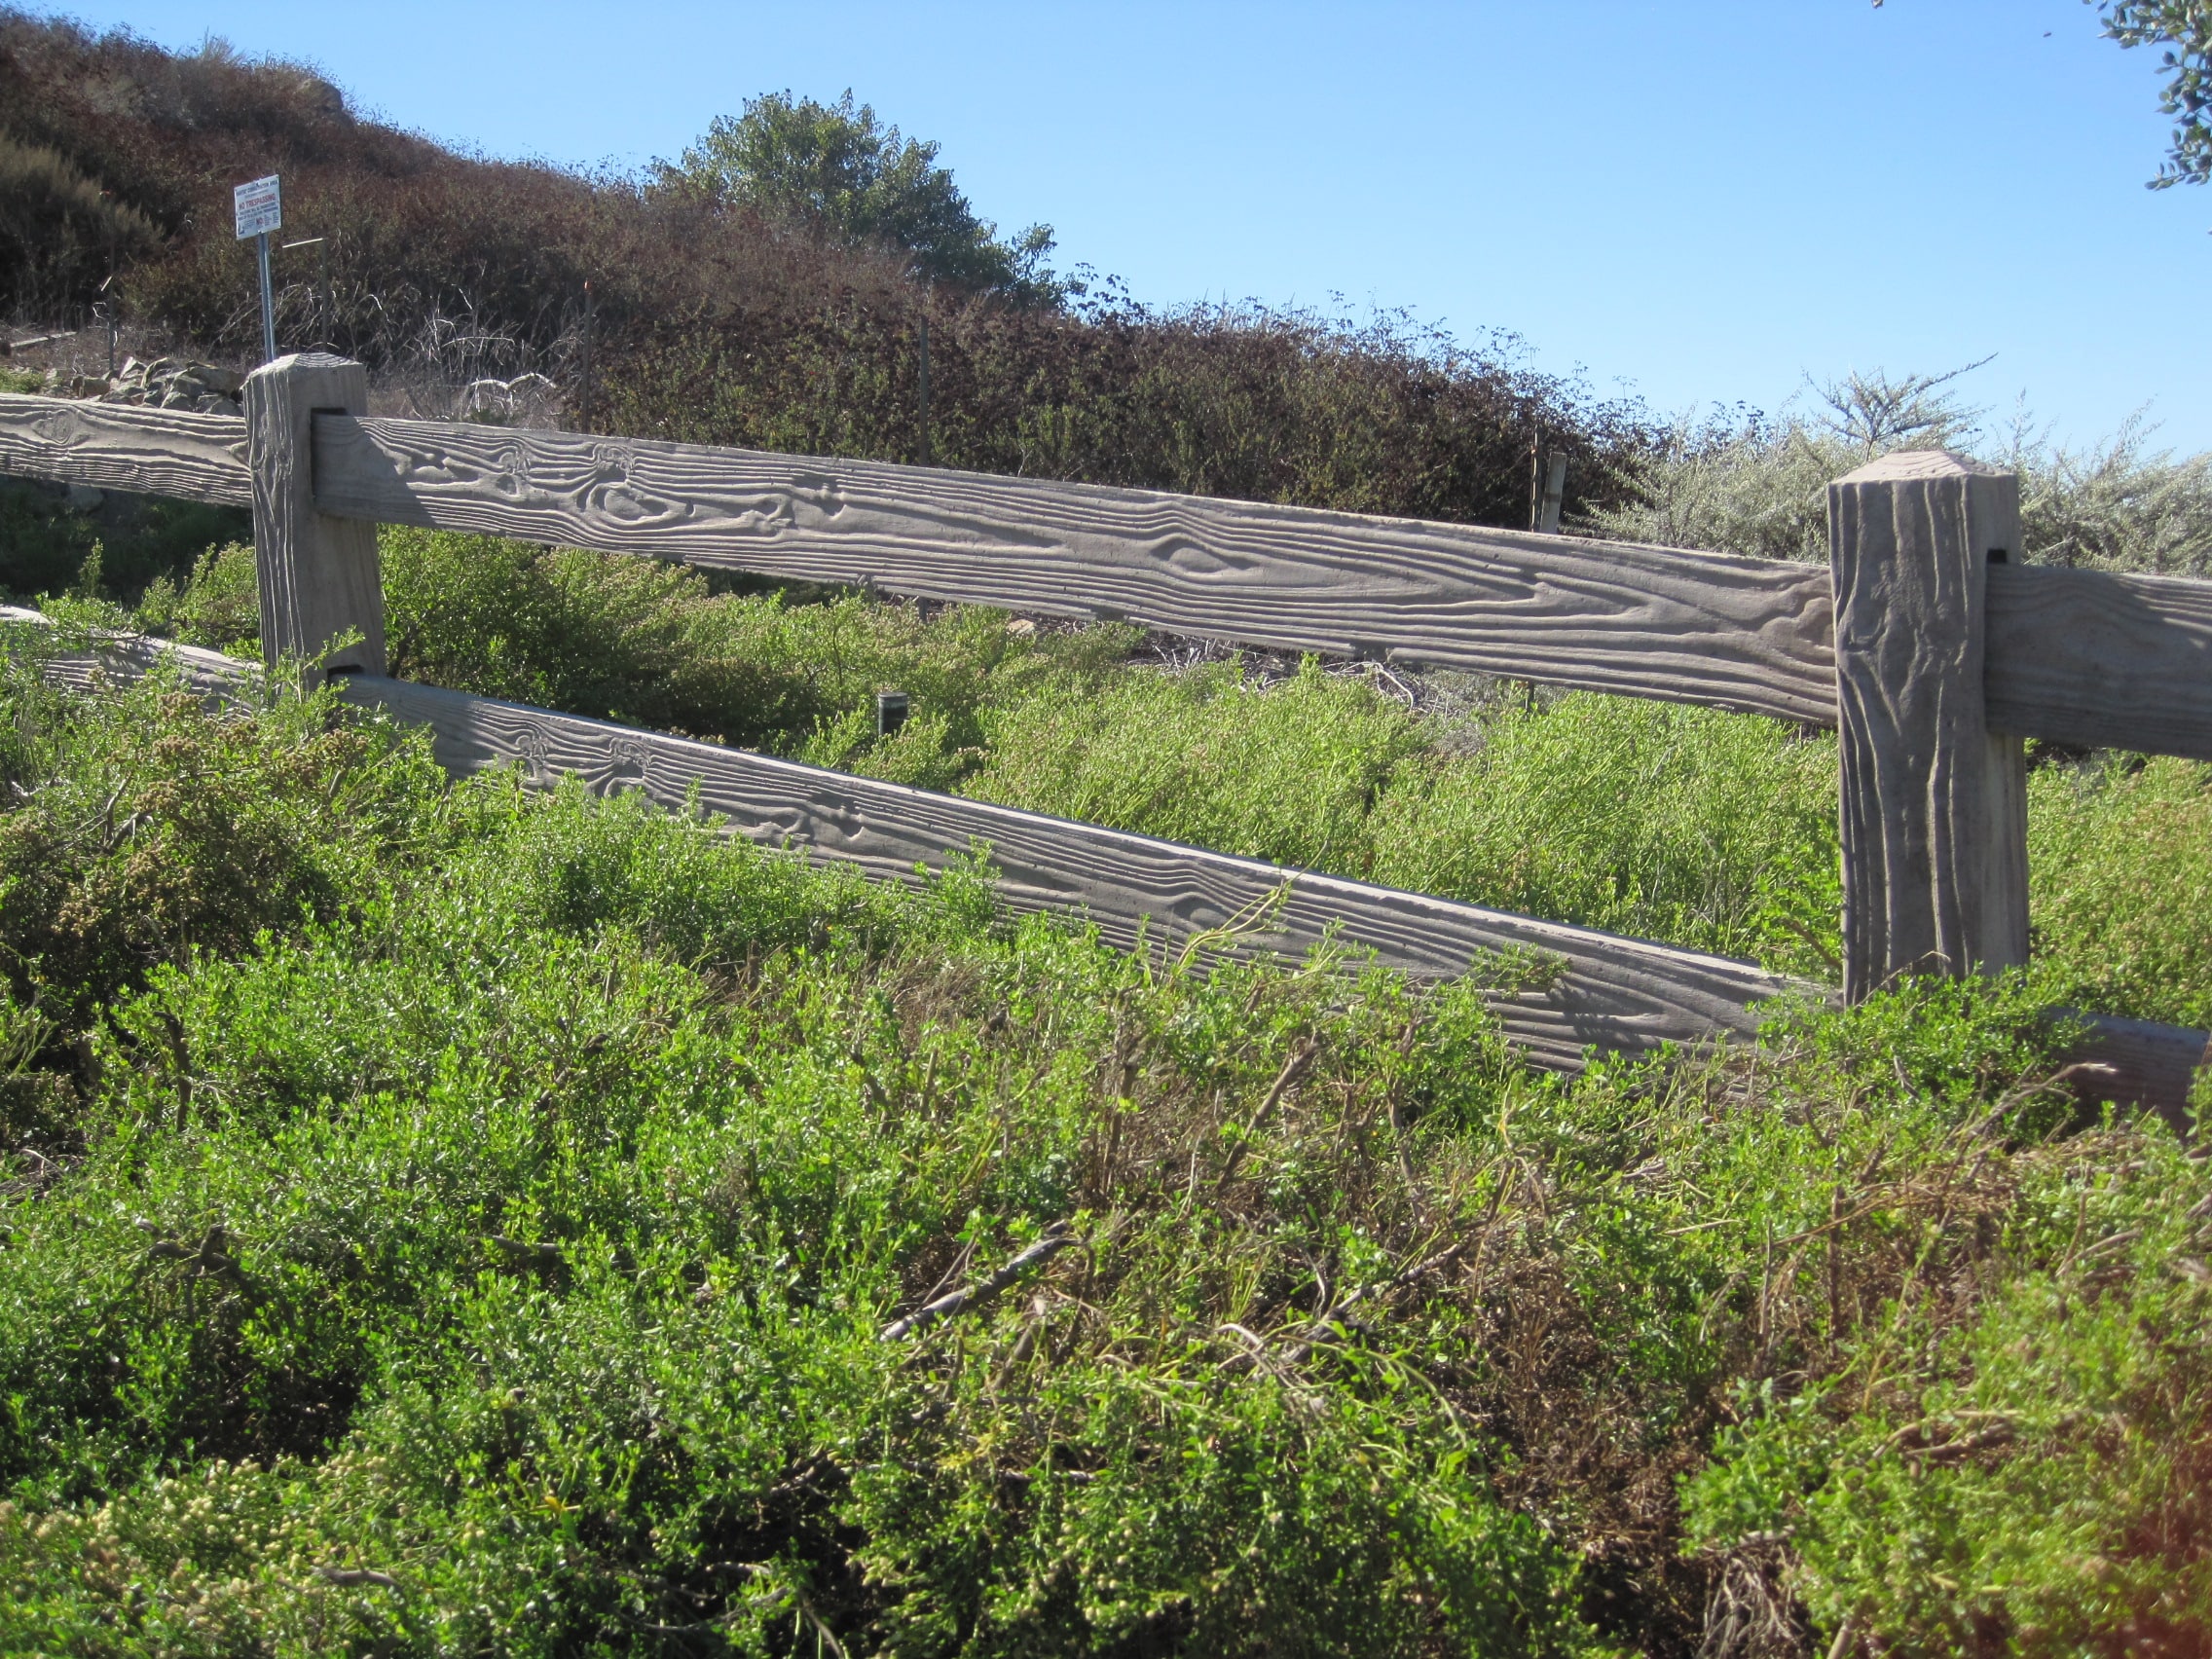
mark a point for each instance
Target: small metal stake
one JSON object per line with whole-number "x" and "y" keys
{"x": 923, "y": 329}
{"x": 322, "y": 277}
{"x": 583, "y": 401}
{"x": 107, "y": 306}
{"x": 106, "y": 311}
{"x": 1555, "y": 493}
{"x": 267, "y": 305}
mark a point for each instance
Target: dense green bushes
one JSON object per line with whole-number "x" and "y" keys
{"x": 1707, "y": 829}
{"x": 118, "y": 550}
{"x": 497, "y": 1259}
{"x": 1970, "y": 1508}
{"x": 2119, "y": 861}
{"x": 1290, "y": 772}
{"x": 656, "y": 645}
{"x": 1703, "y": 828}
{"x": 123, "y": 853}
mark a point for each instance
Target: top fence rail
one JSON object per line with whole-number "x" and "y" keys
{"x": 2082, "y": 657}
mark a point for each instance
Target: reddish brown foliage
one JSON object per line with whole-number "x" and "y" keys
{"x": 715, "y": 326}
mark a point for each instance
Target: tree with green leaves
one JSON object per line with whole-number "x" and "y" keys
{"x": 837, "y": 170}
{"x": 2183, "y": 27}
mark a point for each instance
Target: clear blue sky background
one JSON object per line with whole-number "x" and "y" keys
{"x": 1694, "y": 203}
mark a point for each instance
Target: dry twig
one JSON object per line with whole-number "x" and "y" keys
{"x": 1057, "y": 1239}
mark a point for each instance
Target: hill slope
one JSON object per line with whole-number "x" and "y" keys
{"x": 720, "y": 324}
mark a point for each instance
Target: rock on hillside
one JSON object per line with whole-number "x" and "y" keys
{"x": 165, "y": 382}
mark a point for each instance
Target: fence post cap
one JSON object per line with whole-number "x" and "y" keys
{"x": 1901, "y": 464}
{"x": 291, "y": 361}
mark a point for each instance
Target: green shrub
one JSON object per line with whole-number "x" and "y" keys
{"x": 146, "y": 824}
{"x": 630, "y": 640}
{"x": 217, "y": 606}
{"x": 1288, "y": 773}
{"x": 1703, "y": 828}
{"x": 366, "y": 1111}
{"x": 1758, "y": 484}
{"x": 35, "y": 1102}
{"x": 2035, "y": 1485}
{"x": 498, "y": 1260}
{"x": 2119, "y": 864}
{"x": 130, "y": 543}
{"x": 594, "y": 635}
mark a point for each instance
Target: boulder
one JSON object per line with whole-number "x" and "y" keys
{"x": 168, "y": 382}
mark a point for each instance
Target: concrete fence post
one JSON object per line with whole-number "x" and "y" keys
{"x": 317, "y": 574}
{"x": 1934, "y": 804}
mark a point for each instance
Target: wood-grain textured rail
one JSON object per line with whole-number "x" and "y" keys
{"x": 2086, "y": 657}
{"x": 1614, "y": 993}
{"x": 2099, "y": 659}
{"x": 121, "y": 446}
{"x": 1747, "y": 634}
{"x": 2140, "y": 1063}
{"x": 127, "y": 657}
{"x": 2152, "y": 1065}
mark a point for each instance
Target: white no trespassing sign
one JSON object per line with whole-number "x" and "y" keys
{"x": 260, "y": 207}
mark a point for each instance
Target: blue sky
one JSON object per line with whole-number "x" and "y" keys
{"x": 1692, "y": 203}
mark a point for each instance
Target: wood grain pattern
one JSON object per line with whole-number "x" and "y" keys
{"x": 1615, "y": 993}
{"x": 1743, "y": 634}
{"x": 318, "y": 573}
{"x": 119, "y": 445}
{"x": 1933, "y": 805}
{"x": 2086, "y": 657}
{"x": 2102, "y": 660}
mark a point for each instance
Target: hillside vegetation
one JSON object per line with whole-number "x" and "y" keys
{"x": 730, "y": 317}
{"x": 450, "y": 1220}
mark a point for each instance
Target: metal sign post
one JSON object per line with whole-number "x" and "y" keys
{"x": 260, "y": 209}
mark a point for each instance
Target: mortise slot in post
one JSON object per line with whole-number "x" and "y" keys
{"x": 309, "y": 445}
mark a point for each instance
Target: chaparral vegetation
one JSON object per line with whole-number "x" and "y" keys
{"x": 458, "y": 1218}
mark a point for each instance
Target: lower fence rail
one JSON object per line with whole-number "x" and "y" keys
{"x": 1604, "y": 992}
